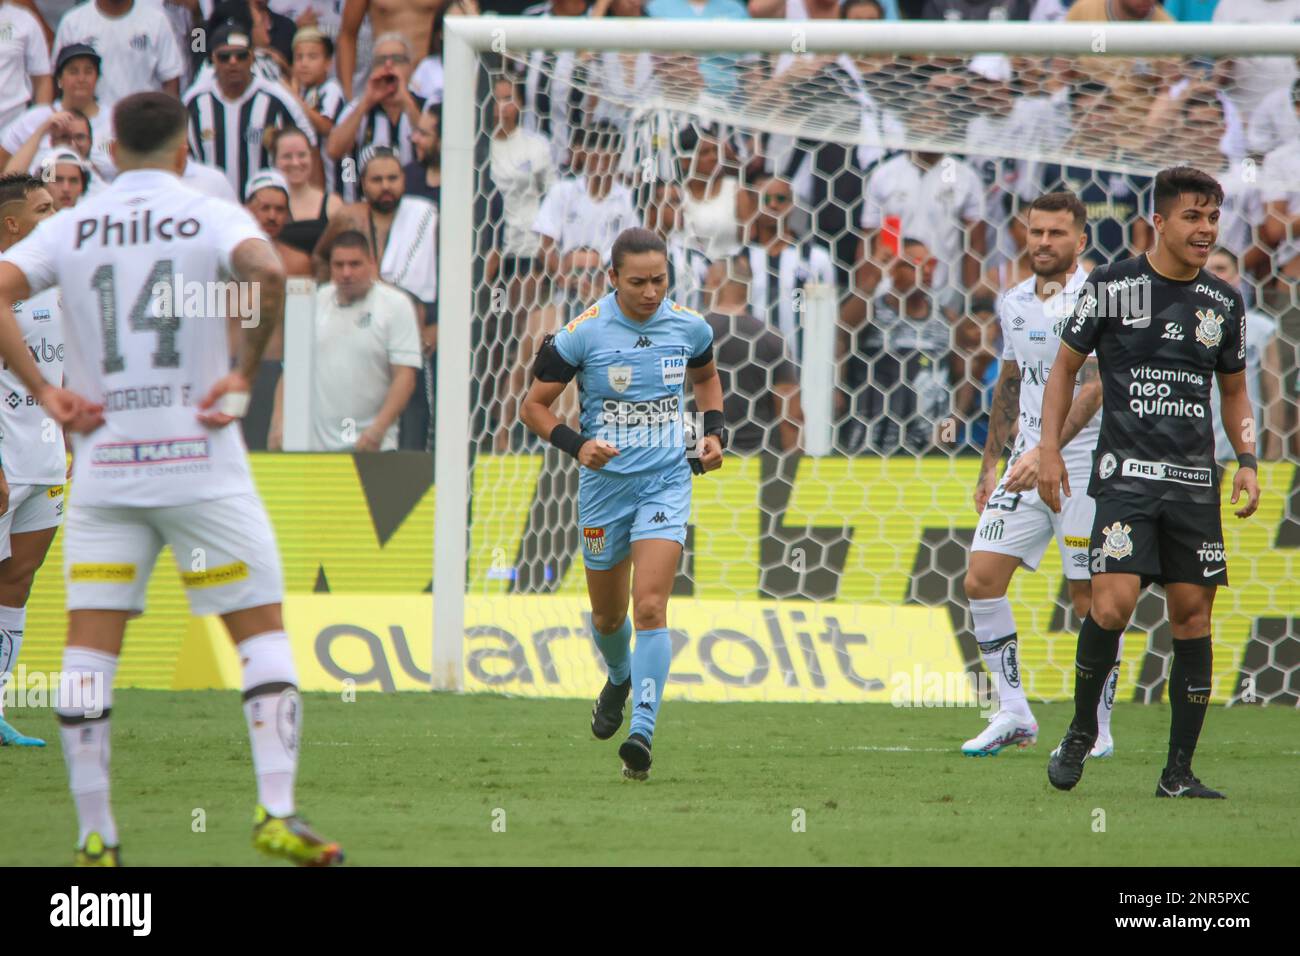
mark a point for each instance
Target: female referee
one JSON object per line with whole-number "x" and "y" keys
{"x": 633, "y": 351}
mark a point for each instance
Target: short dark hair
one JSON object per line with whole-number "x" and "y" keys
{"x": 144, "y": 121}
{"x": 1177, "y": 180}
{"x": 633, "y": 241}
{"x": 1061, "y": 201}
{"x": 350, "y": 239}
{"x": 17, "y": 186}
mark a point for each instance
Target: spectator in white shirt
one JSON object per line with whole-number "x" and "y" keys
{"x": 1255, "y": 76}
{"x": 77, "y": 74}
{"x": 589, "y": 210}
{"x": 1276, "y": 120}
{"x": 24, "y": 63}
{"x": 367, "y": 350}
{"x": 134, "y": 41}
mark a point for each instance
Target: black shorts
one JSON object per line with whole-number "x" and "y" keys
{"x": 1163, "y": 541}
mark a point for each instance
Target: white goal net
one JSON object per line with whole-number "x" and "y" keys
{"x": 844, "y": 202}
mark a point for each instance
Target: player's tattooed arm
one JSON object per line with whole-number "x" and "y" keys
{"x": 255, "y": 261}
{"x": 1086, "y": 403}
{"x": 1002, "y": 422}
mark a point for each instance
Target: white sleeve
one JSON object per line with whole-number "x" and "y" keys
{"x": 232, "y": 225}
{"x": 38, "y": 255}
{"x": 403, "y": 336}
{"x": 17, "y": 132}
{"x": 871, "y": 208}
{"x": 61, "y": 35}
{"x": 169, "y": 66}
{"x": 1273, "y": 175}
{"x": 1008, "y": 353}
{"x": 38, "y": 58}
{"x": 972, "y": 207}
{"x": 550, "y": 215}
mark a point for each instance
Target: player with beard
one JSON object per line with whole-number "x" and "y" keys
{"x": 1015, "y": 525}
{"x": 1162, "y": 326}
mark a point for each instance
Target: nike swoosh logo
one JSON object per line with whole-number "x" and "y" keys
{"x": 1211, "y": 572}
{"x": 1129, "y": 320}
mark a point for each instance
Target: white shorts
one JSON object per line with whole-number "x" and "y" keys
{"x": 225, "y": 552}
{"x": 31, "y": 508}
{"x": 1022, "y": 526}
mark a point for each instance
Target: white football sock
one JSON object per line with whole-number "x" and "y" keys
{"x": 273, "y": 710}
{"x": 83, "y": 704}
{"x": 1106, "y": 705}
{"x": 995, "y": 631}
{"x": 12, "y": 622}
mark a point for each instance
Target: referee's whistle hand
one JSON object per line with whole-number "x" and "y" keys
{"x": 596, "y": 453}
{"x": 1246, "y": 480}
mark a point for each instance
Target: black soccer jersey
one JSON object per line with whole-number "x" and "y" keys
{"x": 1159, "y": 342}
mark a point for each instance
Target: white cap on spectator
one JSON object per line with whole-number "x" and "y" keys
{"x": 267, "y": 179}
{"x": 57, "y": 156}
{"x": 991, "y": 66}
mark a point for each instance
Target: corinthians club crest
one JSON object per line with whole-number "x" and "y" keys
{"x": 620, "y": 377}
{"x": 1209, "y": 330}
{"x": 1118, "y": 544}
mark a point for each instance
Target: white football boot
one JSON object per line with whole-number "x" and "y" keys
{"x": 1004, "y": 730}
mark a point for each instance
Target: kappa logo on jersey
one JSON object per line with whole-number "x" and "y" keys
{"x": 1107, "y": 466}
{"x": 593, "y": 539}
{"x": 1117, "y": 544}
{"x": 1210, "y": 332}
{"x": 674, "y": 369}
{"x": 150, "y": 452}
{"x": 659, "y": 518}
{"x": 589, "y": 314}
{"x": 1173, "y": 332}
{"x": 643, "y": 342}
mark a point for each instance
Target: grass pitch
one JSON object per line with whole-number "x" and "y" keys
{"x": 419, "y": 779}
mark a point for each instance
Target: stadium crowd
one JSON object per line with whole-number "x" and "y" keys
{"x": 323, "y": 118}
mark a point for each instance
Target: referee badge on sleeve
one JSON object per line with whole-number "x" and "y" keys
{"x": 1118, "y": 544}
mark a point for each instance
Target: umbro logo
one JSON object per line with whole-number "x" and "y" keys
{"x": 643, "y": 343}
{"x": 659, "y": 518}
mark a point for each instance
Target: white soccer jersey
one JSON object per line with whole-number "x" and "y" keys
{"x": 31, "y": 444}
{"x": 574, "y": 219}
{"x": 1031, "y": 337}
{"x": 113, "y": 256}
{"x": 520, "y": 167}
{"x": 138, "y": 50}
{"x": 22, "y": 56}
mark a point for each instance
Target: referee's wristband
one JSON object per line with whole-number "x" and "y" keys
{"x": 714, "y": 422}
{"x": 566, "y": 439}
{"x": 1247, "y": 460}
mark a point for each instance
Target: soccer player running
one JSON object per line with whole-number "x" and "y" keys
{"x": 1162, "y": 327}
{"x": 151, "y": 401}
{"x": 632, "y": 353}
{"x": 1015, "y": 526}
{"x": 34, "y": 457}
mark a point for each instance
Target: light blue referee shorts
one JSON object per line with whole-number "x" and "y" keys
{"x": 615, "y": 510}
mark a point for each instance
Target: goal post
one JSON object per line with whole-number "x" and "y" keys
{"x": 829, "y": 549}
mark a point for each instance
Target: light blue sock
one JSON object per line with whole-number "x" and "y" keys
{"x": 650, "y": 660}
{"x": 614, "y": 648}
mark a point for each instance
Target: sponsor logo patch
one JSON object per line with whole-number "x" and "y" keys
{"x": 674, "y": 369}
{"x": 150, "y": 452}
{"x": 1073, "y": 542}
{"x": 593, "y": 539}
{"x": 54, "y": 491}
{"x": 1161, "y": 471}
{"x": 620, "y": 377}
{"x": 108, "y": 573}
{"x": 214, "y": 577}
{"x": 1107, "y": 467}
{"x": 589, "y": 314}
{"x": 1118, "y": 544}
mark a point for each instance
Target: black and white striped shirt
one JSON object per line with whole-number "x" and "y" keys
{"x": 230, "y": 134}
{"x": 377, "y": 129}
{"x": 328, "y": 100}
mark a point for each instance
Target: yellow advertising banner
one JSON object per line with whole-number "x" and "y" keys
{"x": 540, "y": 646}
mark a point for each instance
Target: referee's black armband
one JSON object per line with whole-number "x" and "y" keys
{"x": 704, "y": 358}
{"x": 549, "y": 366}
{"x": 1247, "y": 460}
{"x": 714, "y": 422}
{"x": 567, "y": 440}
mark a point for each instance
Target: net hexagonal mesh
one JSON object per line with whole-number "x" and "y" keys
{"x": 883, "y": 197}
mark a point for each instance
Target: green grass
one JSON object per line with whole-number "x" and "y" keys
{"x": 414, "y": 779}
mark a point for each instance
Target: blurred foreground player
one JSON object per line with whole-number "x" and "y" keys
{"x": 32, "y": 452}
{"x": 1015, "y": 526}
{"x": 633, "y": 352}
{"x": 157, "y": 463}
{"x": 1163, "y": 327}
